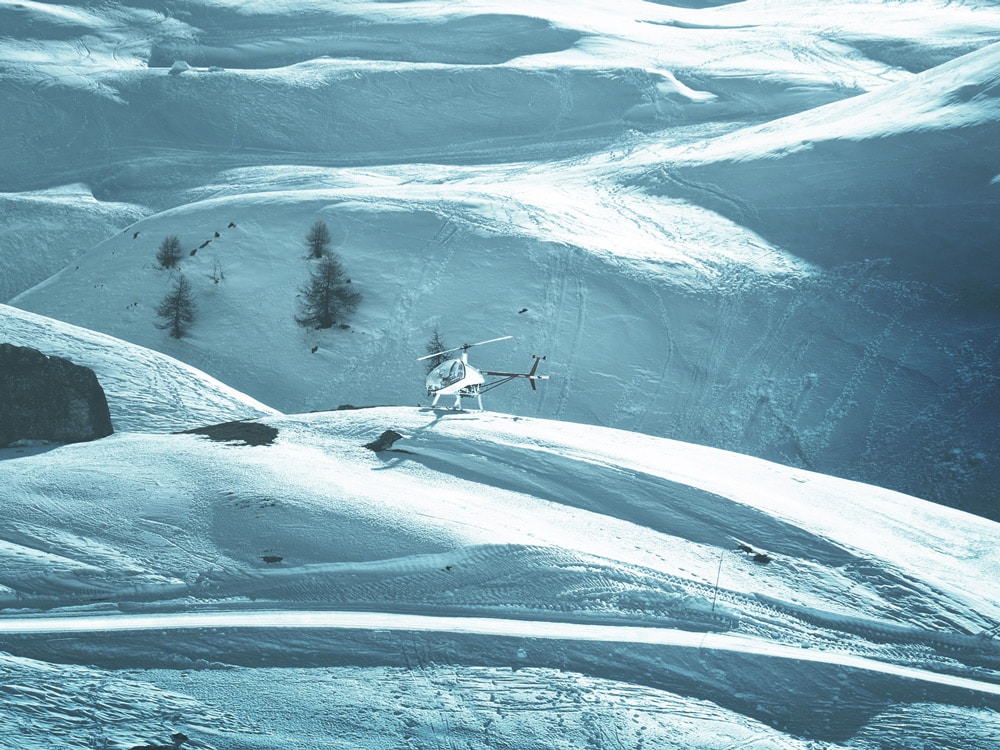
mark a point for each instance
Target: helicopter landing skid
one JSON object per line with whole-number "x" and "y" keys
{"x": 450, "y": 409}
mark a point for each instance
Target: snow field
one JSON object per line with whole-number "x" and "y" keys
{"x": 694, "y": 209}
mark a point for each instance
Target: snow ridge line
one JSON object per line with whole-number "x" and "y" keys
{"x": 478, "y": 626}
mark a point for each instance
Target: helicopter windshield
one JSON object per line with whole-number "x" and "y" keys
{"x": 445, "y": 374}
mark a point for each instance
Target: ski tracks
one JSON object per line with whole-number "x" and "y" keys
{"x": 428, "y": 266}
{"x": 707, "y": 369}
{"x": 565, "y": 304}
{"x": 641, "y": 394}
{"x": 482, "y": 626}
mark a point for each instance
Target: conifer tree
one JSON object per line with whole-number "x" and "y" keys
{"x": 169, "y": 253}
{"x": 327, "y": 298}
{"x": 318, "y": 240}
{"x": 177, "y": 311}
{"x": 434, "y": 346}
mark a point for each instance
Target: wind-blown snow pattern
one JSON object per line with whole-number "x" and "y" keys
{"x": 755, "y": 242}
{"x": 719, "y": 582}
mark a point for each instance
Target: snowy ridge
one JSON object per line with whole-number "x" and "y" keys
{"x": 476, "y": 626}
{"x": 958, "y": 94}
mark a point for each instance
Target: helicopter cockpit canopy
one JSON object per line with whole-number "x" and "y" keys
{"x": 445, "y": 374}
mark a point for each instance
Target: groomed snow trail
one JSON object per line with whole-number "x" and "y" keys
{"x": 477, "y": 626}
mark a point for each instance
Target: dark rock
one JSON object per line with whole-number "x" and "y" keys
{"x": 237, "y": 433}
{"x": 49, "y": 398}
{"x": 384, "y": 441}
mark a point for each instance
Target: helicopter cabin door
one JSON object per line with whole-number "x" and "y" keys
{"x": 444, "y": 375}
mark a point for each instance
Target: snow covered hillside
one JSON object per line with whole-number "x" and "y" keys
{"x": 631, "y": 572}
{"x": 757, "y": 503}
{"x": 697, "y": 213}
{"x": 147, "y": 391}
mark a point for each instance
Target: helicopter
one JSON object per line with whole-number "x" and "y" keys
{"x": 456, "y": 377}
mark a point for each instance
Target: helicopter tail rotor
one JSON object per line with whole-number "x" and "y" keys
{"x": 531, "y": 374}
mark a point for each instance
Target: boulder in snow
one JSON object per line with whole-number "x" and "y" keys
{"x": 384, "y": 441}
{"x": 49, "y": 398}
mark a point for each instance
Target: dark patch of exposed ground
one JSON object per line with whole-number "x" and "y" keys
{"x": 239, "y": 432}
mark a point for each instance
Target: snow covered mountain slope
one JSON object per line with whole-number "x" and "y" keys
{"x": 571, "y": 161}
{"x": 907, "y": 173}
{"x": 763, "y": 228}
{"x": 684, "y": 338}
{"x": 147, "y": 391}
{"x": 42, "y": 231}
{"x": 508, "y": 543}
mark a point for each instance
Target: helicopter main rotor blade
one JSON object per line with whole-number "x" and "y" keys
{"x": 436, "y": 354}
{"x": 461, "y": 348}
{"x": 488, "y": 341}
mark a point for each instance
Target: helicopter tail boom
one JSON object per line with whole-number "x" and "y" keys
{"x": 530, "y": 376}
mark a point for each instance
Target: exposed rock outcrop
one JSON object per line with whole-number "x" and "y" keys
{"x": 384, "y": 441}
{"x": 239, "y": 432}
{"x": 49, "y": 398}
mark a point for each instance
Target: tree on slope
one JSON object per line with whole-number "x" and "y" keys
{"x": 318, "y": 240}
{"x": 327, "y": 298}
{"x": 177, "y": 311}
{"x": 435, "y": 346}
{"x": 170, "y": 253}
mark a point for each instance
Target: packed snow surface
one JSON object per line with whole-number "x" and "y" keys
{"x": 498, "y": 542}
{"x": 756, "y": 242}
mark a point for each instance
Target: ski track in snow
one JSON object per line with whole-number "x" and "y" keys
{"x": 474, "y": 626}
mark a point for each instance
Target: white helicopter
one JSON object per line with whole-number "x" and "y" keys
{"x": 458, "y": 378}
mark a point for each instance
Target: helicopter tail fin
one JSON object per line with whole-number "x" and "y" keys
{"x": 531, "y": 373}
